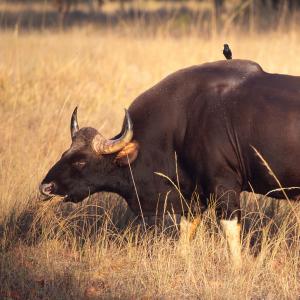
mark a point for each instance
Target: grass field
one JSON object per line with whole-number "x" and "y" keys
{"x": 88, "y": 251}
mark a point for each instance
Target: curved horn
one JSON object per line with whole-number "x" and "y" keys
{"x": 74, "y": 124}
{"x": 103, "y": 146}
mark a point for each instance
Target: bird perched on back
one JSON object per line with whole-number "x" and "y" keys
{"x": 227, "y": 52}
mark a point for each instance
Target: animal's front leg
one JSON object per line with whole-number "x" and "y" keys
{"x": 188, "y": 228}
{"x": 191, "y": 220}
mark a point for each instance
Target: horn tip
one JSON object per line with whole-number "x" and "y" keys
{"x": 129, "y": 121}
{"x": 74, "y": 123}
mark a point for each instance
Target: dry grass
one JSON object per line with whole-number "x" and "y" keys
{"x": 65, "y": 251}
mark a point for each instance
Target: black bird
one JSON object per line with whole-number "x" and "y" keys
{"x": 227, "y": 52}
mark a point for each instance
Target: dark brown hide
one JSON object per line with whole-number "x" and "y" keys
{"x": 210, "y": 116}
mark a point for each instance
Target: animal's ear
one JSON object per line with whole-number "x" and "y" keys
{"x": 128, "y": 154}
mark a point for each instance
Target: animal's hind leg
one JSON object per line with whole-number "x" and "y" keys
{"x": 228, "y": 210}
{"x": 232, "y": 230}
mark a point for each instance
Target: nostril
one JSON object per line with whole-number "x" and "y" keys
{"x": 47, "y": 188}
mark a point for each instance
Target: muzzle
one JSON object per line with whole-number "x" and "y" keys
{"x": 48, "y": 189}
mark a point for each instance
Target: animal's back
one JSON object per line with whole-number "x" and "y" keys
{"x": 172, "y": 100}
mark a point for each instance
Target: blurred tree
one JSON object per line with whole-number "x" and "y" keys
{"x": 253, "y": 13}
{"x": 218, "y": 12}
{"x": 64, "y": 7}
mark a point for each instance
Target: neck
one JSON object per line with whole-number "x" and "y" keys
{"x": 120, "y": 183}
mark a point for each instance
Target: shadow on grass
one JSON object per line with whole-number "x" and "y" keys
{"x": 32, "y": 278}
{"x": 108, "y": 215}
{"x": 104, "y": 214}
{"x": 52, "y": 219}
{"x": 266, "y": 218}
{"x": 59, "y": 265}
{"x": 20, "y": 282}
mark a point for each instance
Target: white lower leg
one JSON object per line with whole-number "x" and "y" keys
{"x": 184, "y": 230}
{"x": 188, "y": 228}
{"x": 193, "y": 228}
{"x": 232, "y": 230}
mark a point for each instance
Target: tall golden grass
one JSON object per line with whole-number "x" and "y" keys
{"x": 90, "y": 250}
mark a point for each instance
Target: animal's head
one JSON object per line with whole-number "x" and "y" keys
{"x": 91, "y": 164}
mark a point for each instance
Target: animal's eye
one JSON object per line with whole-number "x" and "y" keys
{"x": 79, "y": 164}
